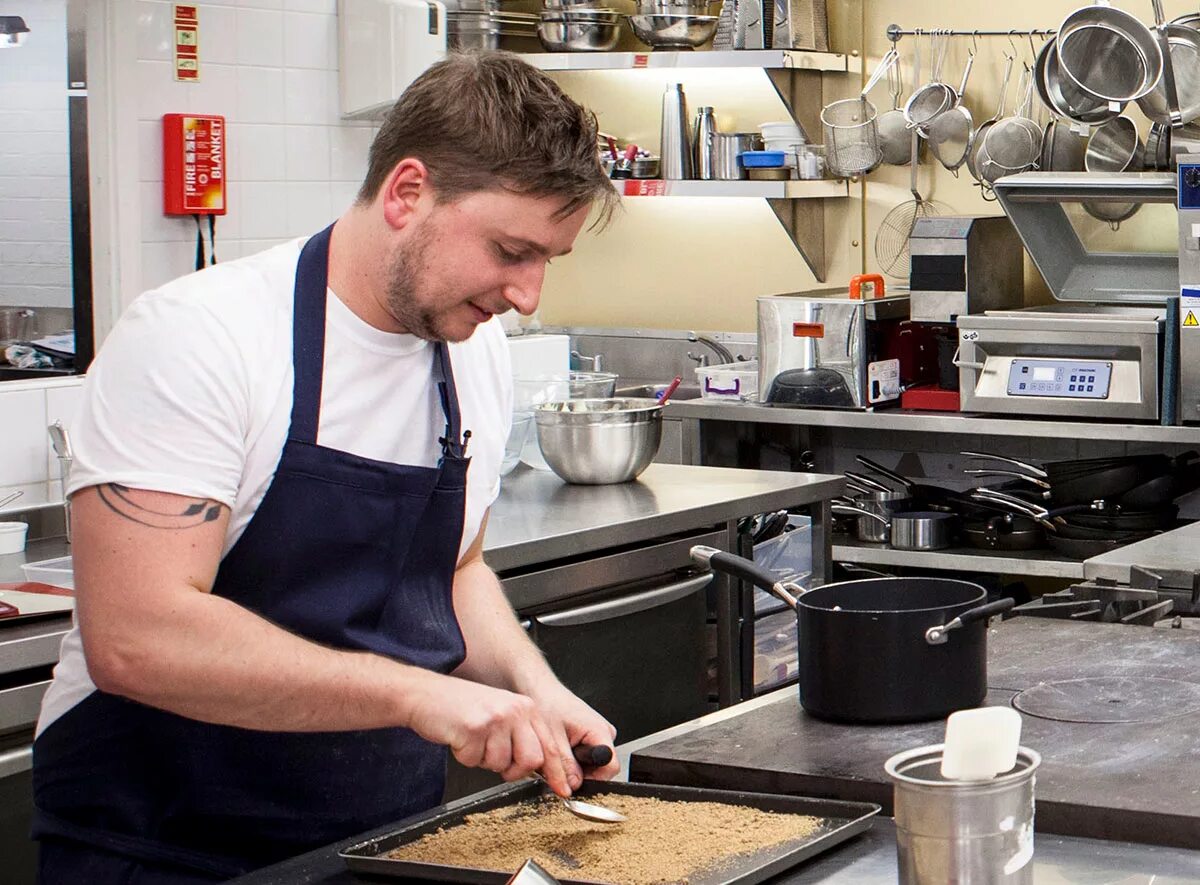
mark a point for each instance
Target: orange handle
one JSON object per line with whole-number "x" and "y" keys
{"x": 874, "y": 279}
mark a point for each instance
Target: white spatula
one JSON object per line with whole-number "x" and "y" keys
{"x": 981, "y": 743}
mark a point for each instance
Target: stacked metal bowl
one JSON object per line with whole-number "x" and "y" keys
{"x": 578, "y": 26}
{"x": 673, "y": 24}
{"x": 478, "y": 24}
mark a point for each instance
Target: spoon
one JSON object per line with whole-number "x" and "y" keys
{"x": 591, "y": 757}
{"x": 586, "y": 810}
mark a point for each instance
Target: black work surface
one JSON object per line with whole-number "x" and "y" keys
{"x": 1131, "y": 781}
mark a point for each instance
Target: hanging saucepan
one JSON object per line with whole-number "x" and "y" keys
{"x": 908, "y": 529}
{"x": 882, "y": 650}
{"x": 1108, "y": 53}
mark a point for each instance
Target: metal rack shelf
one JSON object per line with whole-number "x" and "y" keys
{"x": 771, "y": 190}
{"x": 770, "y": 59}
{"x": 933, "y": 422}
{"x": 796, "y": 76}
{"x": 1031, "y": 563}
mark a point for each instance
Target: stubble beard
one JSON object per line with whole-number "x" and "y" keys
{"x": 404, "y": 292}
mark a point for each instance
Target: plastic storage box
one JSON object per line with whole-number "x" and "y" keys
{"x": 59, "y": 572}
{"x": 729, "y": 381}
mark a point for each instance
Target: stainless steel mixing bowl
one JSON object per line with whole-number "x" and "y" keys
{"x": 572, "y": 31}
{"x": 599, "y": 441}
{"x": 674, "y": 31}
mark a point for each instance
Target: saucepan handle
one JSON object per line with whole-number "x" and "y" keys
{"x": 847, "y": 510}
{"x": 937, "y": 635}
{"x": 740, "y": 567}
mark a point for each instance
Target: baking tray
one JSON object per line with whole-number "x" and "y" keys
{"x": 840, "y": 821}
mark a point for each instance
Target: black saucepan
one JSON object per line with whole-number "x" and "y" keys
{"x": 882, "y": 650}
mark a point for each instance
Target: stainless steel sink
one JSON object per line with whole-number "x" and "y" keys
{"x": 684, "y": 391}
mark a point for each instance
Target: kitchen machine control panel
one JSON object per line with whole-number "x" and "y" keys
{"x": 1076, "y": 379}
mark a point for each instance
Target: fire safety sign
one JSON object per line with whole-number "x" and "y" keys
{"x": 187, "y": 42}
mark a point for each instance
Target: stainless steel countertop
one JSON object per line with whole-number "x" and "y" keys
{"x": 1173, "y": 551}
{"x": 538, "y": 517}
{"x": 869, "y": 859}
{"x": 36, "y": 643}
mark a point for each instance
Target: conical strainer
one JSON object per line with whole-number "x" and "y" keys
{"x": 949, "y": 134}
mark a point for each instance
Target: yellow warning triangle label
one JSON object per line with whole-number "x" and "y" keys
{"x": 1190, "y": 319}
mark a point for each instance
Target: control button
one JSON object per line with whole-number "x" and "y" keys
{"x": 1024, "y": 370}
{"x": 1073, "y": 378}
{"x": 1022, "y": 387}
{"x": 1071, "y": 388}
{"x": 1089, "y": 389}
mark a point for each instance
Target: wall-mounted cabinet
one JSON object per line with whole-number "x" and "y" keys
{"x": 797, "y": 78}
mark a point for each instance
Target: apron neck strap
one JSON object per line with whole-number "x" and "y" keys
{"x": 454, "y": 443}
{"x": 308, "y": 336}
{"x": 308, "y": 354}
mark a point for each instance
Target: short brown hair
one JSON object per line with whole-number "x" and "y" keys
{"x": 485, "y": 119}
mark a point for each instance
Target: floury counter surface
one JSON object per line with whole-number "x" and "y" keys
{"x": 1111, "y": 708}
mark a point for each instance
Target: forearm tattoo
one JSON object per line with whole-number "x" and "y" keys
{"x": 195, "y": 512}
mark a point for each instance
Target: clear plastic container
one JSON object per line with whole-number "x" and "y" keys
{"x": 529, "y": 392}
{"x": 788, "y": 556}
{"x": 59, "y": 572}
{"x": 521, "y": 422}
{"x": 729, "y": 381}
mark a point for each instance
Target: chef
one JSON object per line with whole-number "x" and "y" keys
{"x": 283, "y": 471}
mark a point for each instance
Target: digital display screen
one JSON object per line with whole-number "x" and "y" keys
{"x": 1043, "y": 373}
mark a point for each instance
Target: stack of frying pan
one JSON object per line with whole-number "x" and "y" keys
{"x": 1080, "y": 508}
{"x": 1088, "y": 507}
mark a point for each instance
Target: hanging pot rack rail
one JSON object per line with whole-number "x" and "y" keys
{"x": 895, "y": 32}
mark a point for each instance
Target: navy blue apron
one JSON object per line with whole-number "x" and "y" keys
{"x": 344, "y": 550}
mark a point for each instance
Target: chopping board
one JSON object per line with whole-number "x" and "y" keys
{"x": 33, "y": 599}
{"x": 1127, "y": 780}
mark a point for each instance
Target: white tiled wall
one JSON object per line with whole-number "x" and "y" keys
{"x": 26, "y": 456}
{"x": 35, "y": 198}
{"x": 270, "y": 67}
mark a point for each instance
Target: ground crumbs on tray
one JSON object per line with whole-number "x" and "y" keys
{"x": 662, "y": 842}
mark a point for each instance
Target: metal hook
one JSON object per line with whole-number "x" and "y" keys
{"x": 975, "y": 41}
{"x": 1015, "y": 51}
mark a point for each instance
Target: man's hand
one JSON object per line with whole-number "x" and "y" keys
{"x": 573, "y": 723}
{"x": 491, "y": 728}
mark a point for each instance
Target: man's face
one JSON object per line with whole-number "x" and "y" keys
{"x": 483, "y": 254}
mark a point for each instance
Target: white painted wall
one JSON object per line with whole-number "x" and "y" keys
{"x": 270, "y": 67}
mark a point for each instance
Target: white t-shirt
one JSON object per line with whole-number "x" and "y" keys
{"x": 192, "y": 394}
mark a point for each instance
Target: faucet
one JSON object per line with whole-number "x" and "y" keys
{"x": 596, "y": 361}
{"x": 723, "y": 352}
